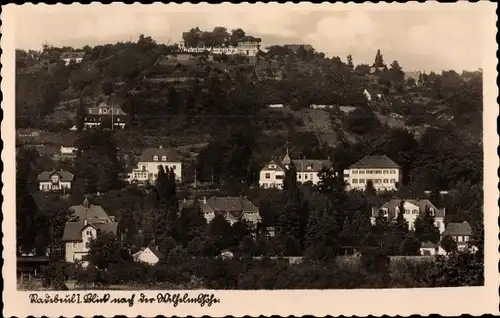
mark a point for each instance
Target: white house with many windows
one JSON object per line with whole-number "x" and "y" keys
{"x": 150, "y": 161}
{"x": 412, "y": 209}
{"x": 273, "y": 173}
{"x": 384, "y": 173}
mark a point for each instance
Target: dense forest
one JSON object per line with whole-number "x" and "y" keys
{"x": 225, "y": 105}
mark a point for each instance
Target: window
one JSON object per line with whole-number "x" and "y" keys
{"x": 272, "y": 185}
{"x": 414, "y": 211}
{"x": 272, "y": 166}
{"x": 460, "y": 238}
{"x": 355, "y": 172}
{"x": 155, "y": 158}
{"x": 89, "y": 233}
{"x": 378, "y": 172}
{"x": 354, "y": 181}
{"x": 393, "y": 180}
{"x": 75, "y": 245}
{"x": 466, "y": 238}
{"x": 309, "y": 167}
{"x": 386, "y": 171}
{"x": 305, "y": 176}
{"x": 299, "y": 176}
{"x": 386, "y": 181}
{"x": 361, "y": 180}
{"x": 377, "y": 181}
{"x": 173, "y": 167}
{"x": 361, "y": 171}
{"x": 163, "y": 158}
{"x": 311, "y": 176}
{"x": 268, "y": 175}
{"x": 265, "y": 185}
{"x": 87, "y": 245}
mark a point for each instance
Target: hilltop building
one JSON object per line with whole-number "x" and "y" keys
{"x": 98, "y": 115}
{"x": 72, "y": 57}
{"x": 247, "y": 48}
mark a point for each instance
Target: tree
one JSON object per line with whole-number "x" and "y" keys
{"x": 107, "y": 87}
{"x": 379, "y": 60}
{"x": 107, "y": 250}
{"x": 349, "y": 62}
{"x": 425, "y": 229}
{"x": 410, "y": 246}
{"x": 370, "y": 189}
{"x": 80, "y": 115}
{"x": 192, "y": 223}
{"x": 401, "y": 225}
{"x": 449, "y": 244}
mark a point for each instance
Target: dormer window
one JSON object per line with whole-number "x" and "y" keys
{"x": 272, "y": 166}
{"x": 309, "y": 167}
{"x": 163, "y": 158}
{"x": 155, "y": 158}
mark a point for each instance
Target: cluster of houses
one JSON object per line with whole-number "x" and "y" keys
{"x": 246, "y": 48}
{"x": 89, "y": 220}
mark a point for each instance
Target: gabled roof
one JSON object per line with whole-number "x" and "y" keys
{"x": 153, "y": 250}
{"x": 116, "y": 110}
{"x": 462, "y": 228}
{"x": 149, "y": 153}
{"x": 73, "y": 230}
{"x": 93, "y": 213}
{"x": 277, "y": 166}
{"x": 301, "y": 165}
{"x": 63, "y": 175}
{"x": 375, "y": 162}
{"x": 392, "y": 204}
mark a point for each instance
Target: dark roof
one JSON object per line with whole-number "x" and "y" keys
{"x": 375, "y": 162}
{"x": 231, "y": 204}
{"x": 93, "y": 213}
{"x": 392, "y": 204}
{"x": 149, "y": 153}
{"x": 462, "y": 228}
{"x": 277, "y": 166}
{"x": 72, "y": 55}
{"x": 73, "y": 230}
{"x": 63, "y": 175}
{"x": 116, "y": 110}
{"x": 295, "y": 47}
{"x": 316, "y": 165}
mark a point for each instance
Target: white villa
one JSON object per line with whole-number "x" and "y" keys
{"x": 87, "y": 222}
{"x": 149, "y": 162}
{"x": 384, "y": 173}
{"x": 412, "y": 209}
{"x": 69, "y": 57}
{"x": 273, "y": 173}
{"x": 49, "y": 181}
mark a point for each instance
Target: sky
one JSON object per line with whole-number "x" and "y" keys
{"x": 420, "y": 36}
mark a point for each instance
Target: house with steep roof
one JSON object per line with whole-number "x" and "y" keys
{"x": 150, "y": 161}
{"x": 149, "y": 255}
{"x": 55, "y": 181}
{"x": 234, "y": 209}
{"x": 72, "y": 57}
{"x": 95, "y": 116}
{"x": 412, "y": 209}
{"x": 86, "y": 223}
{"x": 385, "y": 174}
{"x": 461, "y": 232}
{"x": 430, "y": 249}
{"x": 273, "y": 173}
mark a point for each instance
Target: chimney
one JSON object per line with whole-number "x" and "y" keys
{"x": 205, "y": 199}
{"x": 160, "y": 147}
{"x": 85, "y": 222}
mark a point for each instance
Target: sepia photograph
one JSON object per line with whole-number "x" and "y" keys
{"x": 251, "y": 147}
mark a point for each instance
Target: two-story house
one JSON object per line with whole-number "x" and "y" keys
{"x": 460, "y": 232}
{"x": 150, "y": 161}
{"x": 233, "y": 209}
{"x": 104, "y": 112}
{"x": 273, "y": 173}
{"x": 86, "y": 223}
{"x": 412, "y": 209}
{"x": 72, "y": 57}
{"x": 55, "y": 181}
{"x": 384, "y": 173}
{"x": 149, "y": 255}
